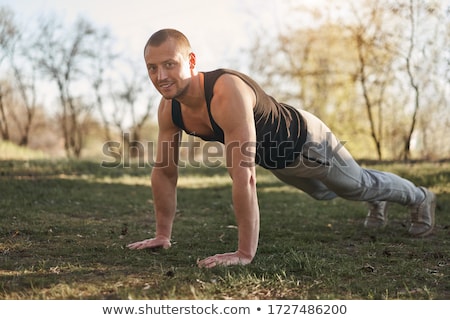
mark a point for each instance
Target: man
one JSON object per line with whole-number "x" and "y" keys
{"x": 298, "y": 148}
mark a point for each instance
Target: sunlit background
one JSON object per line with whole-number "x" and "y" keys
{"x": 376, "y": 71}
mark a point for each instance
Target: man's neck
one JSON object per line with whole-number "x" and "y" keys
{"x": 195, "y": 92}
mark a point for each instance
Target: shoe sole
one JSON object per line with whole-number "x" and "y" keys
{"x": 381, "y": 226}
{"x": 433, "y": 221}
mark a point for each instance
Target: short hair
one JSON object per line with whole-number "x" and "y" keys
{"x": 161, "y": 36}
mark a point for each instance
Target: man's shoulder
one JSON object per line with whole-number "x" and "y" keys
{"x": 164, "y": 104}
{"x": 215, "y": 74}
{"x": 165, "y": 108}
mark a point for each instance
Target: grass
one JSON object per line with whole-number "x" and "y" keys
{"x": 64, "y": 227}
{"x": 9, "y": 150}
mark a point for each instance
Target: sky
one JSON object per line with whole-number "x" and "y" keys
{"x": 217, "y": 29}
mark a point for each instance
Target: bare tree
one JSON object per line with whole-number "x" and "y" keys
{"x": 423, "y": 21}
{"x": 61, "y": 55}
{"x": 25, "y": 79}
{"x": 127, "y": 100}
{"x": 329, "y": 62}
{"x": 4, "y": 129}
{"x": 8, "y": 36}
{"x": 374, "y": 61}
{"x": 102, "y": 62}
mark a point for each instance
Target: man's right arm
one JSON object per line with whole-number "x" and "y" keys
{"x": 164, "y": 179}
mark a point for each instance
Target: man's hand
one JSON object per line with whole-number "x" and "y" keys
{"x": 225, "y": 259}
{"x": 158, "y": 242}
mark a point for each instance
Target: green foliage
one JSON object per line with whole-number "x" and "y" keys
{"x": 64, "y": 226}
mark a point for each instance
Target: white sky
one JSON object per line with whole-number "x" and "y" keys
{"x": 217, "y": 29}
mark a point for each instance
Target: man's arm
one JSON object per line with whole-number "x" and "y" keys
{"x": 232, "y": 108}
{"x": 164, "y": 180}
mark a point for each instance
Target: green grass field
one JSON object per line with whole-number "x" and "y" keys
{"x": 64, "y": 227}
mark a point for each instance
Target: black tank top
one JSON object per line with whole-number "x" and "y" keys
{"x": 280, "y": 129}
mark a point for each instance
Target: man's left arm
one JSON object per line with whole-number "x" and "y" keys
{"x": 232, "y": 108}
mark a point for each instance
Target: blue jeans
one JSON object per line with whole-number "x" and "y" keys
{"x": 325, "y": 170}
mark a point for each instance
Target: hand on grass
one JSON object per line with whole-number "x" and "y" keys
{"x": 225, "y": 259}
{"x": 154, "y": 243}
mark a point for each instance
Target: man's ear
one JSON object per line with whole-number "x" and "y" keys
{"x": 192, "y": 60}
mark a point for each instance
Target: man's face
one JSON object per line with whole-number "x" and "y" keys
{"x": 169, "y": 68}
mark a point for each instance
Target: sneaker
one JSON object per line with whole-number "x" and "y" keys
{"x": 422, "y": 215}
{"x": 377, "y": 216}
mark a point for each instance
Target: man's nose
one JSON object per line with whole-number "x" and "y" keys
{"x": 162, "y": 74}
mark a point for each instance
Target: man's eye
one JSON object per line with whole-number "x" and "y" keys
{"x": 170, "y": 65}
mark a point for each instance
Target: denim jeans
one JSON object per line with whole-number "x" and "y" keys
{"x": 325, "y": 170}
